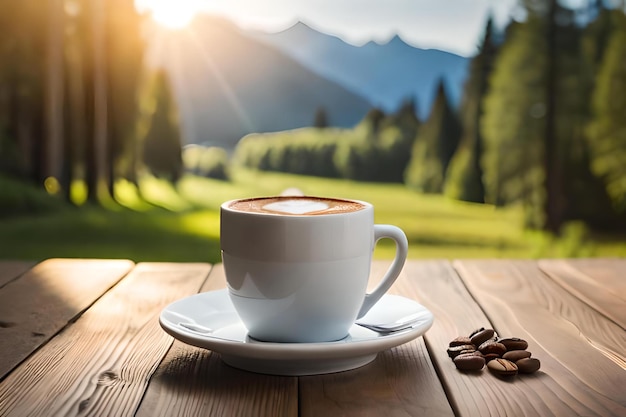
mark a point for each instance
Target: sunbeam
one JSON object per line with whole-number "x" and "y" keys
{"x": 223, "y": 84}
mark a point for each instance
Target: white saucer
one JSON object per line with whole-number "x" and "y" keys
{"x": 209, "y": 320}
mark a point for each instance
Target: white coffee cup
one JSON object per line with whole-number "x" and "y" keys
{"x": 297, "y": 268}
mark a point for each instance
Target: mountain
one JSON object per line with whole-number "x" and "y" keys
{"x": 228, "y": 84}
{"x": 386, "y": 74}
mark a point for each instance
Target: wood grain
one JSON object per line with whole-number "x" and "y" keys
{"x": 608, "y": 272}
{"x": 38, "y": 304}
{"x": 193, "y": 382}
{"x": 438, "y": 287}
{"x": 399, "y": 382}
{"x": 586, "y": 288}
{"x": 9, "y": 270}
{"x": 580, "y": 349}
{"x": 101, "y": 364}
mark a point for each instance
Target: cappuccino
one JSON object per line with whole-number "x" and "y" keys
{"x": 296, "y": 206}
{"x": 297, "y": 267}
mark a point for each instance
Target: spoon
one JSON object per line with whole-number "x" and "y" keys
{"x": 403, "y": 323}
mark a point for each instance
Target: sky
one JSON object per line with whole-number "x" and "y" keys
{"x": 452, "y": 25}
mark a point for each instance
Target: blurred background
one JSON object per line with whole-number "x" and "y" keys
{"x": 482, "y": 128}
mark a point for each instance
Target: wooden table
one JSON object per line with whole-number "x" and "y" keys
{"x": 81, "y": 337}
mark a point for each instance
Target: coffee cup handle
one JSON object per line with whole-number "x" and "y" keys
{"x": 402, "y": 248}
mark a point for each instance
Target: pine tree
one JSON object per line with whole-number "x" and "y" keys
{"x": 405, "y": 119}
{"x": 321, "y": 118}
{"x": 583, "y": 196}
{"x": 607, "y": 133}
{"x": 162, "y": 146}
{"x": 513, "y": 123}
{"x": 464, "y": 178}
{"x": 392, "y": 149}
{"x": 434, "y": 146}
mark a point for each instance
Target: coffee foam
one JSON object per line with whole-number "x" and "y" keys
{"x": 296, "y": 206}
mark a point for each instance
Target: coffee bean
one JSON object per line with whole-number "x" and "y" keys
{"x": 502, "y": 367}
{"x": 476, "y": 331}
{"x": 492, "y": 347}
{"x": 475, "y": 353}
{"x": 469, "y": 362}
{"x": 513, "y": 343}
{"x": 504, "y": 357}
{"x": 528, "y": 365}
{"x": 461, "y": 340}
{"x": 515, "y": 355}
{"x": 455, "y": 351}
{"x": 482, "y": 336}
{"x": 490, "y": 356}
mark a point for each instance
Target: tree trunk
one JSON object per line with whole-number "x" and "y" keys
{"x": 97, "y": 149}
{"x": 554, "y": 201}
{"x": 54, "y": 92}
{"x": 75, "y": 112}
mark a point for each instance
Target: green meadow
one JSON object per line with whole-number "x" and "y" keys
{"x": 160, "y": 222}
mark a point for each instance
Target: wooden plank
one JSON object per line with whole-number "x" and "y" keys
{"x": 611, "y": 272}
{"x": 101, "y": 364}
{"x": 608, "y": 272}
{"x": 437, "y": 286}
{"x": 9, "y": 270}
{"x": 580, "y": 350}
{"x": 400, "y": 382}
{"x": 604, "y": 299}
{"x": 193, "y": 382}
{"x": 42, "y": 301}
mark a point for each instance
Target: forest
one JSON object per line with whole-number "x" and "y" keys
{"x": 541, "y": 123}
{"x": 77, "y": 102}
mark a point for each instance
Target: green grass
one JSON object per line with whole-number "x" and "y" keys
{"x": 166, "y": 224}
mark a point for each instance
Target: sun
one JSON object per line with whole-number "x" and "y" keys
{"x": 172, "y": 14}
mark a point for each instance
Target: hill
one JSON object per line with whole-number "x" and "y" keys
{"x": 386, "y": 74}
{"x": 228, "y": 84}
